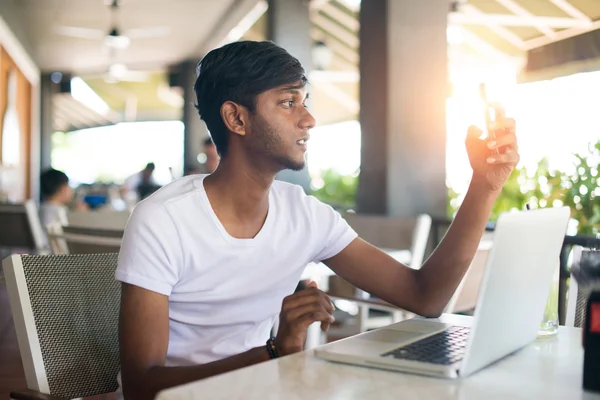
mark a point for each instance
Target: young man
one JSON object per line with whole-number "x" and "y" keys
{"x": 209, "y": 261}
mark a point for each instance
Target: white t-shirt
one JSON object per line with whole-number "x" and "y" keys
{"x": 224, "y": 293}
{"x": 51, "y": 213}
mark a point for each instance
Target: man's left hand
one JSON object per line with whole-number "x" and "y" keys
{"x": 492, "y": 169}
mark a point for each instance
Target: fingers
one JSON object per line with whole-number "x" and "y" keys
{"x": 474, "y": 133}
{"x": 307, "y": 319}
{"x": 305, "y": 315}
{"x": 507, "y": 158}
{"x": 508, "y": 140}
{"x": 308, "y": 306}
{"x": 306, "y": 296}
{"x": 502, "y": 127}
{"x": 299, "y": 302}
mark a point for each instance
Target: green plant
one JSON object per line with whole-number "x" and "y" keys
{"x": 336, "y": 189}
{"x": 544, "y": 187}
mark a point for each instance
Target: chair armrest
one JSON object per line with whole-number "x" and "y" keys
{"x": 372, "y": 303}
{"x": 28, "y": 394}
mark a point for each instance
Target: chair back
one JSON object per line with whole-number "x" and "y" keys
{"x": 394, "y": 233}
{"x": 66, "y": 310}
{"x": 101, "y": 219}
{"x": 80, "y": 240}
{"x": 20, "y": 226}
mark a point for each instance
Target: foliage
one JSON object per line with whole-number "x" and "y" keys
{"x": 335, "y": 189}
{"x": 547, "y": 188}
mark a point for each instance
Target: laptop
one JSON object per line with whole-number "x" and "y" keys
{"x": 509, "y": 311}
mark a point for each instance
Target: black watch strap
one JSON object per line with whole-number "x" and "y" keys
{"x": 271, "y": 348}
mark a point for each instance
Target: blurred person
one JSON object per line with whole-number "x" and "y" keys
{"x": 212, "y": 156}
{"x": 139, "y": 185}
{"x": 209, "y": 262}
{"x": 57, "y": 195}
{"x": 212, "y": 159}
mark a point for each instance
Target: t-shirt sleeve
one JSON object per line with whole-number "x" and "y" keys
{"x": 334, "y": 233}
{"x": 151, "y": 255}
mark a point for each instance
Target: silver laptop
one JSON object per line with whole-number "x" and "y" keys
{"x": 508, "y": 314}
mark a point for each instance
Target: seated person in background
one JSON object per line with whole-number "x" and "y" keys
{"x": 211, "y": 161}
{"x": 139, "y": 185}
{"x": 57, "y": 195}
{"x": 209, "y": 262}
{"x": 212, "y": 156}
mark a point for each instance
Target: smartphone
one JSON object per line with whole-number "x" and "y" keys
{"x": 487, "y": 113}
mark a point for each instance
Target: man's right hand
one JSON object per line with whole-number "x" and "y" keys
{"x": 298, "y": 311}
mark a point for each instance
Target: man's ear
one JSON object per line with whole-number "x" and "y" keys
{"x": 235, "y": 117}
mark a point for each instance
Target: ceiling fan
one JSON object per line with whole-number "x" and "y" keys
{"x": 118, "y": 72}
{"x": 113, "y": 38}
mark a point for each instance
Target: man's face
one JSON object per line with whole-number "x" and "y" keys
{"x": 280, "y": 126}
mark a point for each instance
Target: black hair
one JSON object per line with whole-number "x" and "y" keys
{"x": 208, "y": 142}
{"x": 150, "y": 165}
{"x": 239, "y": 72}
{"x": 51, "y": 181}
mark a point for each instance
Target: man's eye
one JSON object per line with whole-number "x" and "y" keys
{"x": 289, "y": 103}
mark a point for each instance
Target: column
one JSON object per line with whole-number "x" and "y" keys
{"x": 47, "y": 89}
{"x": 403, "y": 107}
{"x": 195, "y": 130}
{"x": 288, "y": 25}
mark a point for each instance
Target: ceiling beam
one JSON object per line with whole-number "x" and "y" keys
{"x": 522, "y": 12}
{"x": 334, "y": 29}
{"x": 565, "y": 34}
{"x": 571, "y": 10}
{"x": 223, "y": 26}
{"x": 349, "y": 76}
{"x": 338, "y": 15}
{"x": 499, "y": 30}
{"x": 345, "y": 53}
{"x": 317, "y": 4}
{"x": 517, "y": 20}
{"x": 83, "y": 114}
{"x": 340, "y": 96}
{"x": 481, "y": 45}
{"x": 68, "y": 118}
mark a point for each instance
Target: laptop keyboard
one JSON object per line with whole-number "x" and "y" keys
{"x": 446, "y": 348}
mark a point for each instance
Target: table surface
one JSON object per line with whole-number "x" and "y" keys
{"x": 549, "y": 368}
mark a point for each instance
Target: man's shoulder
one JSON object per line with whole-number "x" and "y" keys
{"x": 290, "y": 192}
{"x": 295, "y": 196}
{"x": 173, "y": 193}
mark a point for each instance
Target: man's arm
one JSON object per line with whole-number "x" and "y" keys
{"x": 425, "y": 291}
{"x": 144, "y": 339}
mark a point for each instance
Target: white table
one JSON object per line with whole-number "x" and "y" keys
{"x": 549, "y": 368}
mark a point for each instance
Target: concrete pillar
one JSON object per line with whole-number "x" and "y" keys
{"x": 195, "y": 130}
{"x": 403, "y": 89}
{"x": 288, "y": 25}
{"x": 47, "y": 89}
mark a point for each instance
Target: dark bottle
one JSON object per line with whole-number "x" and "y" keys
{"x": 591, "y": 358}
